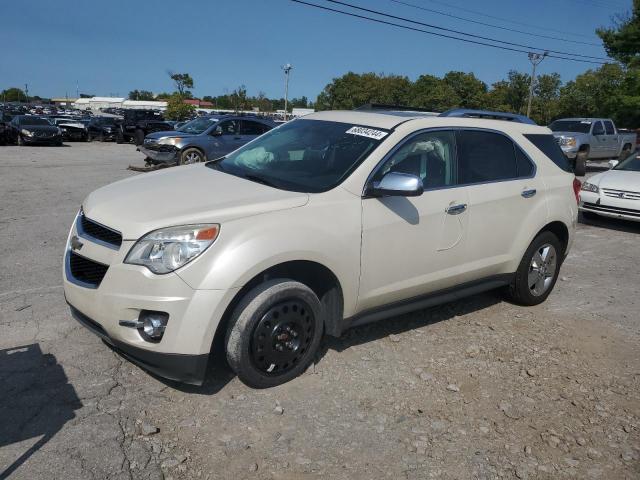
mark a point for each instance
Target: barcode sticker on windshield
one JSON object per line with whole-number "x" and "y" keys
{"x": 367, "y": 132}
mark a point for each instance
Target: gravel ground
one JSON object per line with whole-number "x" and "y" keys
{"x": 474, "y": 389}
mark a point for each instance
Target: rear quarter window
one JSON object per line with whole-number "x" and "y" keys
{"x": 547, "y": 144}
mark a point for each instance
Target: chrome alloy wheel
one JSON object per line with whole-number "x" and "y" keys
{"x": 542, "y": 269}
{"x": 192, "y": 157}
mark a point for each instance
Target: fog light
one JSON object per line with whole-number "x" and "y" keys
{"x": 153, "y": 325}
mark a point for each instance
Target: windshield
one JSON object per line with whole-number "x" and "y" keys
{"x": 579, "y": 126}
{"x": 303, "y": 155}
{"x": 631, "y": 163}
{"x": 198, "y": 125}
{"x": 34, "y": 121}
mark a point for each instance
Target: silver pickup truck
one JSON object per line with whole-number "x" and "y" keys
{"x": 583, "y": 139}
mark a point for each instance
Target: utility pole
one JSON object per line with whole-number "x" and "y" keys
{"x": 26, "y": 91}
{"x": 287, "y": 68}
{"x": 77, "y": 90}
{"x": 535, "y": 59}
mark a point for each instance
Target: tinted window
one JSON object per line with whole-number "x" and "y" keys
{"x": 228, "y": 127}
{"x": 485, "y": 157}
{"x": 548, "y": 145}
{"x": 247, "y": 127}
{"x": 608, "y": 126}
{"x": 597, "y": 129}
{"x": 524, "y": 166}
{"x": 429, "y": 155}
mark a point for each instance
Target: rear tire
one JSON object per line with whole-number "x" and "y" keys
{"x": 139, "y": 137}
{"x": 274, "y": 333}
{"x": 626, "y": 151}
{"x": 538, "y": 271}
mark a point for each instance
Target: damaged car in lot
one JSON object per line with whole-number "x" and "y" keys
{"x": 327, "y": 222}
{"x": 72, "y": 129}
{"x": 102, "y": 129}
{"x": 615, "y": 193}
{"x": 203, "y": 138}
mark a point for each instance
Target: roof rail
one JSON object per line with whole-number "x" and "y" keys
{"x": 396, "y": 108}
{"x": 467, "y": 112}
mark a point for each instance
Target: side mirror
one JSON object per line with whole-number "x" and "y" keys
{"x": 613, "y": 163}
{"x": 216, "y": 132}
{"x": 395, "y": 184}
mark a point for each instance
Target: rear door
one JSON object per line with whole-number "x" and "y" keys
{"x": 250, "y": 129}
{"x": 506, "y": 200}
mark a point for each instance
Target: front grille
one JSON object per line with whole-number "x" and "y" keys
{"x": 42, "y": 134}
{"x": 608, "y": 209}
{"x": 99, "y": 232}
{"x": 625, "y": 194}
{"x": 86, "y": 271}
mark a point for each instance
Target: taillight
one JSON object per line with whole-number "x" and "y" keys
{"x": 576, "y": 189}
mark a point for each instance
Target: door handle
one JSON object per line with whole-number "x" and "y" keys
{"x": 456, "y": 209}
{"x": 529, "y": 193}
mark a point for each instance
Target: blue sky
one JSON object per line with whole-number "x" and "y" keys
{"x": 116, "y": 46}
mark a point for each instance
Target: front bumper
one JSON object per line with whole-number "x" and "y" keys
{"x": 41, "y": 140}
{"x": 121, "y": 295}
{"x": 600, "y": 204}
{"x": 162, "y": 154}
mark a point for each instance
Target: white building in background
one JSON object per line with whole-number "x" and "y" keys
{"x": 144, "y": 104}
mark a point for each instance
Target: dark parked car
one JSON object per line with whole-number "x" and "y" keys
{"x": 136, "y": 124}
{"x": 31, "y": 130}
{"x": 5, "y": 118}
{"x": 102, "y": 129}
{"x": 203, "y": 138}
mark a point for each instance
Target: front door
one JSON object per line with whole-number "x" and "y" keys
{"x": 414, "y": 245}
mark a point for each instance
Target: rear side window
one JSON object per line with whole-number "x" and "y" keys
{"x": 608, "y": 126}
{"x": 523, "y": 164}
{"x": 485, "y": 157}
{"x": 247, "y": 127}
{"x": 598, "y": 129}
{"x": 547, "y": 144}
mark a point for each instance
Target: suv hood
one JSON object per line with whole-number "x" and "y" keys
{"x": 182, "y": 196}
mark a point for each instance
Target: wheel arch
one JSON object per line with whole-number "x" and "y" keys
{"x": 318, "y": 277}
{"x": 560, "y": 230}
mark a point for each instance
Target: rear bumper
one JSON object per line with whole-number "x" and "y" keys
{"x": 174, "y": 366}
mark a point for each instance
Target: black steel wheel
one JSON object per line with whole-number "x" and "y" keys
{"x": 274, "y": 333}
{"x": 282, "y": 336}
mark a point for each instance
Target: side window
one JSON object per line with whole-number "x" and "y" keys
{"x": 548, "y": 145}
{"x": 524, "y": 166}
{"x": 228, "y": 127}
{"x": 597, "y": 129}
{"x": 485, "y": 157}
{"x": 247, "y": 127}
{"x": 608, "y": 126}
{"x": 429, "y": 155}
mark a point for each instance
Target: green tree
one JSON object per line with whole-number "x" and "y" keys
{"x": 177, "y": 109}
{"x": 622, "y": 41}
{"x": 239, "y": 99}
{"x": 13, "y": 94}
{"x": 141, "y": 95}
{"x": 182, "y": 81}
{"x": 353, "y": 90}
{"x": 432, "y": 93}
{"x": 546, "y": 98}
{"x": 470, "y": 92}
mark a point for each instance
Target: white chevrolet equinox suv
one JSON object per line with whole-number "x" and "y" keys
{"x": 324, "y": 223}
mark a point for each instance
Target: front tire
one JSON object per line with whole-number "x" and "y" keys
{"x": 274, "y": 333}
{"x": 538, "y": 271}
{"x": 190, "y": 156}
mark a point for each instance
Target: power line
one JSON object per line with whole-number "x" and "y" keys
{"x": 475, "y": 12}
{"x": 439, "y": 12}
{"x": 406, "y": 27}
{"x": 458, "y": 32}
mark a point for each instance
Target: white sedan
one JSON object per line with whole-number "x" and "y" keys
{"x": 614, "y": 193}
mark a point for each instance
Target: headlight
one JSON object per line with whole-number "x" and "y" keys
{"x": 590, "y": 187}
{"x": 26, "y": 132}
{"x": 568, "y": 141}
{"x": 167, "y": 249}
{"x": 169, "y": 141}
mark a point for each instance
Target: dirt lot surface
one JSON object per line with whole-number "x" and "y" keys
{"x": 475, "y": 389}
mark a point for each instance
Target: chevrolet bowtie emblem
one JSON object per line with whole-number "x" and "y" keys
{"x": 76, "y": 244}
